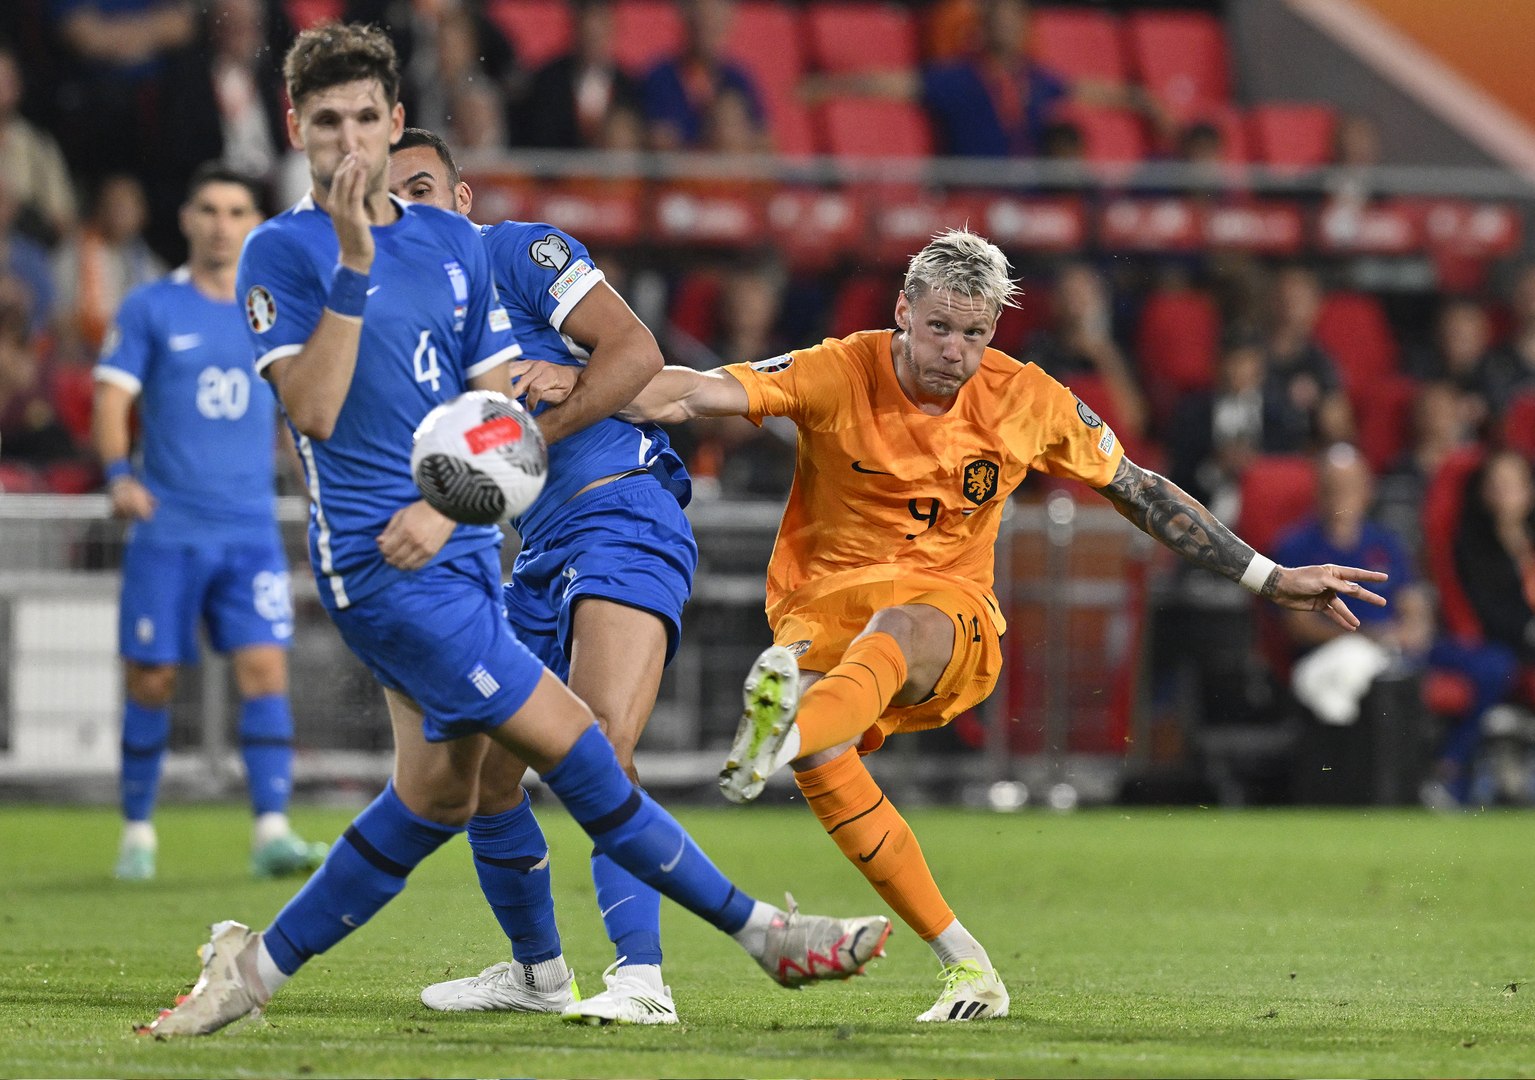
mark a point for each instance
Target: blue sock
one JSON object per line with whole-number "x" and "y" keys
{"x": 365, "y": 869}
{"x": 631, "y": 911}
{"x": 511, "y": 858}
{"x": 632, "y": 829}
{"x": 266, "y": 744}
{"x": 146, "y": 733}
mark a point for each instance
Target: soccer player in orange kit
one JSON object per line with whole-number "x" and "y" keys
{"x": 879, "y": 588}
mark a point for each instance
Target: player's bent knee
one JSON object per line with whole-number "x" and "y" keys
{"x": 150, "y": 685}
{"x": 261, "y": 671}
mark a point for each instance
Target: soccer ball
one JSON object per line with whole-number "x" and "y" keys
{"x": 479, "y": 458}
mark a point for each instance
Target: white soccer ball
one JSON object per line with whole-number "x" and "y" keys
{"x": 479, "y": 458}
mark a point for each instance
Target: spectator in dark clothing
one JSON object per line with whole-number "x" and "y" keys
{"x": 31, "y": 431}
{"x": 1442, "y": 422}
{"x": 1301, "y": 374}
{"x": 247, "y": 85}
{"x": 995, "y": 102}
{"x": 26, "y": 260}
{"x": 1459, "y": 352}
{"x": 569, "y": 99}
{"x": 1495, "y": 551}
{"x": 679, "y": 93}
{"x": 1510, "y": 370}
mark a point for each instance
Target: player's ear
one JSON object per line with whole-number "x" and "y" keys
{"x": 902, "y": 310}
{"x": 396, "y": 123}
{"x": 463, "y": 197}
{"x": 293, "y": 130}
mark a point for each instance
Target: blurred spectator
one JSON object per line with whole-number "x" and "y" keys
{"x": 1334, "y": 669}
{"x": 1215, "y": 433}
{"x": 1495, "y": 551}
{"x": 679, "y": 93}
{"x": 26, "y": 261}
{"x": 442, "y": 44}
{"x": 1462, "y": 334}
{"x": 1510, "y": 370}
{"x": 104, "y": 260}
{"x": 1350, "y": 183}
{"x": 1301, "y": 374}
{"x": 31, "y": 164}
{"x": 1442, "y": 422}
{"x": 995, "y": 102}
{"x": 477, "y": 119}
{"x": 247, "y": 87}
{"x": 1080, "y": 341}
{"x": 569, "y": 101}
{"x": 31, "y": 431}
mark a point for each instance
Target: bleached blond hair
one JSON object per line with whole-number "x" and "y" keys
{"x": 961, "y": 261}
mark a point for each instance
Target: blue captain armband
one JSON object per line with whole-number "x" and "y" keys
{"x": 348, "y": 292}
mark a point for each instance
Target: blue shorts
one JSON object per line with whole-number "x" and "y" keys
{"x": 438, "y": 636}
{"x": 627, "y": 541}
{"x": 241, "y": 591}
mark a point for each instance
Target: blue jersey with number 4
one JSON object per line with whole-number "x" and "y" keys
{"x": 209, "y": 423}
{"x": 542, "y": 274}
{"x": 431, "y": 323}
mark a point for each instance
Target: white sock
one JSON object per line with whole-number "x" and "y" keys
{"x": 753, "y": 936}
{"x": 267, "y": 970}
{"x": 956, "y": 943}
{"x": 789, "y": 750}
{"x": 139, "y": 834}
{"x": 547, "y": 975}
{"x": 649, "y": 974}
{"x": 268, "y": 827}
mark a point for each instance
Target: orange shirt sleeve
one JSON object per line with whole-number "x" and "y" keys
{"x": 808, "y": 386}
{"x": 1078, "y": 444}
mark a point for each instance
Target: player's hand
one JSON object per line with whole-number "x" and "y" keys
{"x": 131, "y": 500}
{"x": 414, "y": 535}
{"x": 348, "y": 206}
{"x": 538, "y": 381}
{"x": 1324, "y": 588}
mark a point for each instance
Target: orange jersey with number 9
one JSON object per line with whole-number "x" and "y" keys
{"x": 885, "y": 492}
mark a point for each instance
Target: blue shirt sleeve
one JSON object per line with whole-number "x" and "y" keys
{"x": 544, "y": 272}
{"x": 282, "y": 296}
{"x": 129, "y": 347}
{"x": 488, "y": 337}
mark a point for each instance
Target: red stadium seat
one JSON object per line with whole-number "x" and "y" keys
{"x": 863, "y": 303}
{"x": 1109, "y": 136}
{"x": 1175, "y": 345}
{"x": 765, "y": 38}
{"x": 306, "y": 13}
{"x": 1442, "y": 506}
{"x": 873, "y": 128}
{"x": 1180, "y": 56}
{"x": 1518, "y": 424}
{"x": 1292, "y": 136}
{"x": 19, "y": 479}
{"x": 695, "y": 306}
{"x": 539, "y": 30}
{"x": 1383, "y": 418}
{"x": 1354, "y": 328}
{"x": 1278, "y": 492}
{"x": 1079, "y": 43}
{"x": 1017, "y": 326}
{"x": 861, "y": 37}
{"x": 645, "y": 32}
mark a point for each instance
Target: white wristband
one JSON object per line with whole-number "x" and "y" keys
{"x": 1257, "y": 573}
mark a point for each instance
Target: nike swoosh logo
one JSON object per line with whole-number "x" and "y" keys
{"x": 373, "y": 290}
{"x": 605, "y": 912}
{"x": 858, "y": 467}
{"x": 183, "y": 342}
{"x": 668, "y": 867}
{"x": 348, "y": 921}
{"x": 870, "y": 855}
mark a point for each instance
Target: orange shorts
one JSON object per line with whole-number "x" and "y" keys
{"x": 820, "y": 631}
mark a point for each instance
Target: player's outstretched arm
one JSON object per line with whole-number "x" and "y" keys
{"x": 1164, "y": 511}
{"x": 680, "y": 393}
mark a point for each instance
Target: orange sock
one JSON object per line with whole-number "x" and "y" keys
{"x": 877, "y": 840}
{"x": 852, "y": 695}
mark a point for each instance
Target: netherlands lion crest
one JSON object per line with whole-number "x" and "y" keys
{"x": 981, "y": 480}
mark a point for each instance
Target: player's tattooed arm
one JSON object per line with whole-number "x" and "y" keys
{"x": 1165, "y": 512}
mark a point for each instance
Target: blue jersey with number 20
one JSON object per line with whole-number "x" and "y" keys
{"x": 432, "y": 323}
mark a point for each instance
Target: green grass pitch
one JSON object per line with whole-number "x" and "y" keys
{"x": 1145, "y": 943}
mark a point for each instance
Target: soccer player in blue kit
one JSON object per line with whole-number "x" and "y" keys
{"x": 597, "y": 593}
{"x": 202, "y": 538}
{"x": 417, "y": 598}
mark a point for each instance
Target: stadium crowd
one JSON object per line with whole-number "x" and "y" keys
{"x": 1211, "y": 365}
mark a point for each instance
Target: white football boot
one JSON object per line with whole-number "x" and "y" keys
{"x": 228, "y": 989}
{"x": 628, "y": 999}
{"x": 803, "y": 949}
{"x": 970, "y": 992}
{"x": 770, "y": 699}
{"x": 505, "y": 987}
